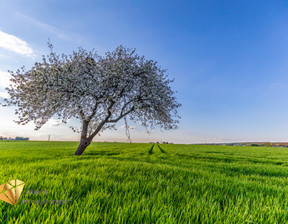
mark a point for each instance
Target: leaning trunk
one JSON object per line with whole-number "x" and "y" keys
{"x": 82, "y": 146}
{"x": 85, "y": 141}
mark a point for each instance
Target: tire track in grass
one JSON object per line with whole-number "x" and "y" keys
{"x": 151, "y": 150}
{"x": 162, "y": 150}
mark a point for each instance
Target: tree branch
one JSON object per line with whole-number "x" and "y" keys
{"x": 102, "y": 122}
{"x": 81, "y": 113}
{"x": 121, "y": 116}
{"x": 93, "y": 112}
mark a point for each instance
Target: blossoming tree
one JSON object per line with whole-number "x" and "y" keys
{"x": 98, "y": 90}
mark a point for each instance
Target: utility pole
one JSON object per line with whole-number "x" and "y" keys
{"x": 49, "y": 138}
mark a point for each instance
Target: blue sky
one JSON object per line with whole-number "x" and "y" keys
{"x": 228, "y": 58}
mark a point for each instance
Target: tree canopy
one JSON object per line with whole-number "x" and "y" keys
{"x": 98, "y": 90}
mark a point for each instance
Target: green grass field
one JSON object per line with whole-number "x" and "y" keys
{"x": 130, "y": 183}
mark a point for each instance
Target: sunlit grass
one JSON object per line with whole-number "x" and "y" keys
{"x": 135, "y": 183}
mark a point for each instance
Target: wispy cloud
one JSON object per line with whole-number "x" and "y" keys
{"x": 44, "y": 26}
{"x": 62, "y": 34}
{"x": 276, "y": 85}
{"x": 4, "y": 79}
{"x": 15, "y": 44}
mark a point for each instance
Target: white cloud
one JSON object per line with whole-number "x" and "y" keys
{"x": 4, "y": 95}
{"x": 4, "y": 79}
{"x": 15, "y": 44}
{"x": 54, "y": 122}
{"x": 131, "y": 127}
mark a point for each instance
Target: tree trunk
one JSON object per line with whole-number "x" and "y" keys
{"x": 82, "y": 146}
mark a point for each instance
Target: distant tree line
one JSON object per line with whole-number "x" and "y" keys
{"x": 17, "y": 138}
{"x": 22, "y": 138}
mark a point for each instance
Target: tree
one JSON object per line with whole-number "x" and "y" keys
{"x": 98, "y": 90}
